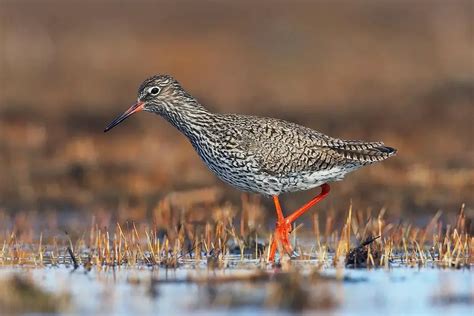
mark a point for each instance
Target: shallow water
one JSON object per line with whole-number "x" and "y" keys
{"x": 397, "y": 291}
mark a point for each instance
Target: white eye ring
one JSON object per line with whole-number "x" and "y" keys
{"x": 154, "y": 90}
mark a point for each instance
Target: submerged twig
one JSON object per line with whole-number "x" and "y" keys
{"x": 73, "y": 258}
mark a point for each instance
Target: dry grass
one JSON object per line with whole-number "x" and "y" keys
{"x": 174, "y": 240}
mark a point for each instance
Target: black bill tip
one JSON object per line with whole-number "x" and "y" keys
{"x": 137, "y": 107}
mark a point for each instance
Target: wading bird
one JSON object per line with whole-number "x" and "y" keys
{"x": 257, "y": 154}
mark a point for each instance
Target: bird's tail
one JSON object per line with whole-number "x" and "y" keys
{"x": 364, "y": 152}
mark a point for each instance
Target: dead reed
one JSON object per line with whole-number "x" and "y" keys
{"x": 364, "y": 240}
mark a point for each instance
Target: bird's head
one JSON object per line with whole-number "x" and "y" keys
{"x": 156, "y": 94}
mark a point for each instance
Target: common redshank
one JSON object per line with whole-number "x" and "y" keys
{"x": 257, "y": 154}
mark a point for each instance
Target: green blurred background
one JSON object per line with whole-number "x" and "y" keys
{"x": 397, "y": 71}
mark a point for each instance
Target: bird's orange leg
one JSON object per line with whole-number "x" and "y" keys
{"x": 283, "y": 226}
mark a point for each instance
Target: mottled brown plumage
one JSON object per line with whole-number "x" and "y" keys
{"x": 258, "y": 154}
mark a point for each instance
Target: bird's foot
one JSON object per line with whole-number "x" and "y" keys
{"x": 281, "y": 238}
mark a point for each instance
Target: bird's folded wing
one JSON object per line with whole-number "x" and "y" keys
{"x": 299, "y": 149}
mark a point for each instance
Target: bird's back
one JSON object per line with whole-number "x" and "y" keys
{"x": 272, "y": 156}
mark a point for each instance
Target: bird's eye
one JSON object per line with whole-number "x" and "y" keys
{"x": 154, "y": 90}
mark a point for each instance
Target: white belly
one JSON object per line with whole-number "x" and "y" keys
{"x": 305, "y": 181}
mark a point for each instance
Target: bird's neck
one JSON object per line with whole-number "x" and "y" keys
{"x": 190, "y": 118}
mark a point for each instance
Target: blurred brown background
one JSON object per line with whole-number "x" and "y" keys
{"x": 397, "y": 71}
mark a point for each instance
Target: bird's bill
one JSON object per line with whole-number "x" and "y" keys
{"x": 137, "y": 107}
